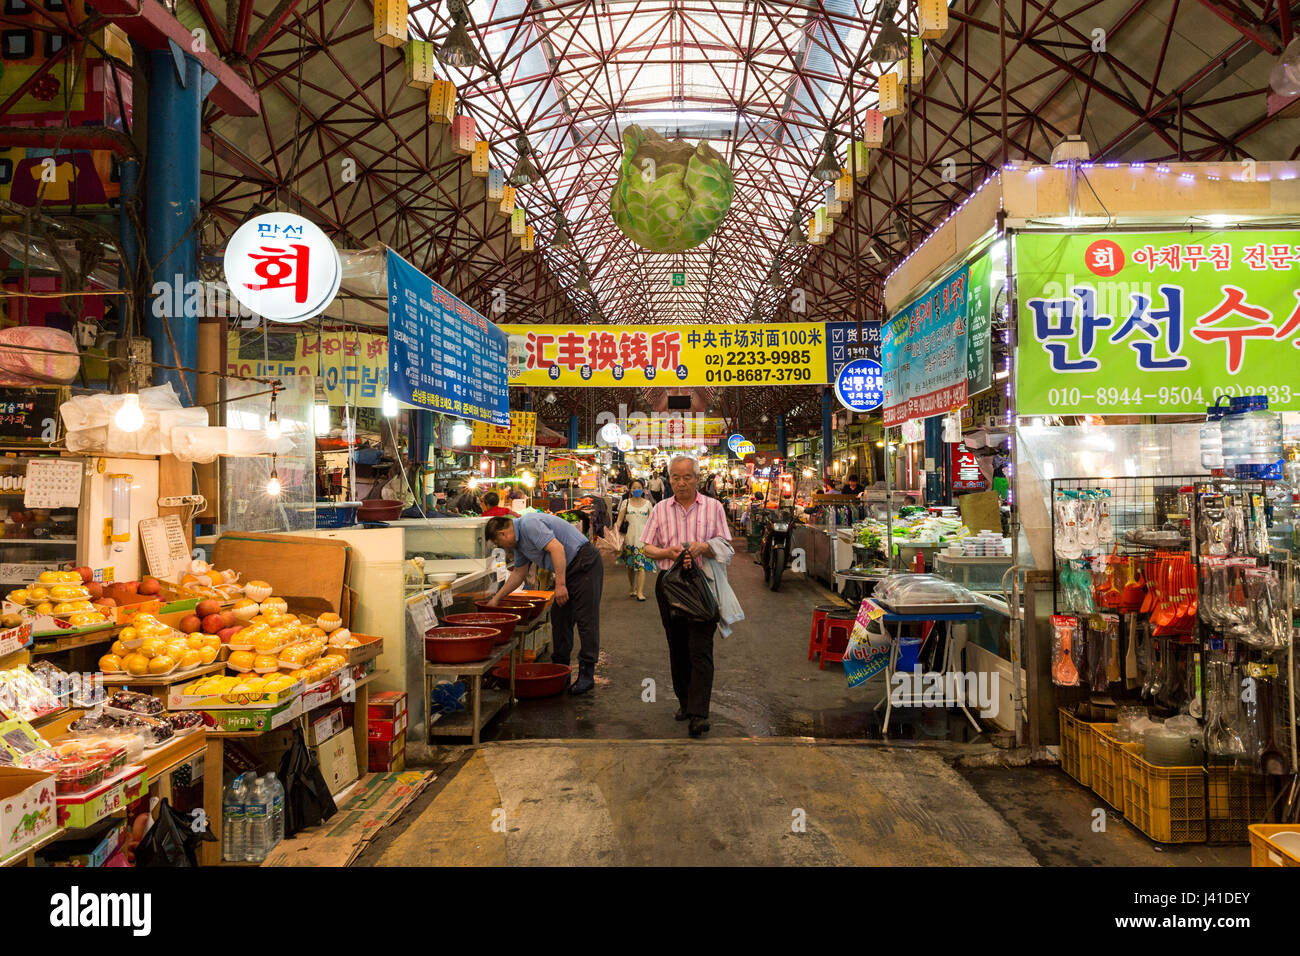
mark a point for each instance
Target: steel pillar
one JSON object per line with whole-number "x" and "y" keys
{"x": 780, "y": 437}
{"x": 828, "y": 438}
{"x": 573, "y": 431}
{"x": 129, "y": 171}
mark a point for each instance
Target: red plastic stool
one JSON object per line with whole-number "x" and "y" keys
{"x": 817, "y": 638}
{"x": 837, "y": 631}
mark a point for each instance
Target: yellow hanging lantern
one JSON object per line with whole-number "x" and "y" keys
{"x": 824, "y": 225}
{"x": 463, "y": 135}
{"x": 480, "y": 162}
{"x": 813, "y": 235}
{"x": 518, "y": 222}
{"x": 442, "y": 101}
{"x": 891, "y": 95}
{"x": 912, "y": 69}
{"x": 933, "y": 19}
{"x": 507, "y": 207}
{"x": 873, "y": 129}
{"x": 844, "y": 187}
{"x": 419, "y": 64}
{"x": 390, "y": 22}
{"x": 528, "y": 241}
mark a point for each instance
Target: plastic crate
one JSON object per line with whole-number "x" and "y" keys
{"x": 1237, "y": 799}
{"x": 1076, "y": 747}
{"x": 1265, "y": 853}
{"x": 1165, "y": 803}
{"x": 1108, "y": 771}
{"x": 331, "y": 514}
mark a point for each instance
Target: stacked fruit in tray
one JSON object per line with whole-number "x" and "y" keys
{"x": 69, "y": 595}
{"x": 149, "y": 648}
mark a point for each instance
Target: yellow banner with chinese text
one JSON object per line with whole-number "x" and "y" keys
{"x": 521, "y": 433}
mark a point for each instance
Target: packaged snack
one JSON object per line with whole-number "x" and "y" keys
{"x": 135, "y": 703}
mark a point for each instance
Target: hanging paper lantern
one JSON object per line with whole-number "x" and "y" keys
{"x": 844, "y": 187}
{"x": 419, "y": 64}
{"x": 390, "y": 22}
{"x": 813, "y": 235}
{"x": 518, "y": 222}
{"x": 481, "y": 162}
{"x": 507, "y": 207}
{"x": 824, "y": 224}
{"x": 891, "y": 95}
{"x": 859, "y": 162}
{"x": 873, "y": 129}
{"x": 912, "y": 69}
{"x": 833, "y": 206}
{"x": 670, "y": 195}
{"x": 463, "y": 135}
{"x": 528, "y": 241}
{"x": 442, "y": 101}
{"x": 933, "y": 21}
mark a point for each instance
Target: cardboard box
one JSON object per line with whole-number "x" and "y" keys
{"x": 383, "y": 730}
{"x": 370, "y": 648}
{"x": 382, "y": 753}
{"x": 79, "y": 811}
{"x": 27, "y": 808}
{"x": 258, "y": 720}
{"x": 314, "y": 695}
{"x": 361, "y": 671}
{"x": 310, "y": 573}
{"x": 338, "y": 761}
{"x": 325, "y": 727}
{"x": 129, "y": 605}
{"x": 15, "y": 638}
{"x": 90, "y": 851}
{"x": 177, "y": 699}
{"x": 388, "y": 705}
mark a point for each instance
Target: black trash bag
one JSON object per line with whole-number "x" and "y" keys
{"x": 172, "y": 840}
{"x": 688, "y": 593}
{"x": 307, "y": 800}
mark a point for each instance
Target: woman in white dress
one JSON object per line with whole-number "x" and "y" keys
{"x": 635, "y": 510}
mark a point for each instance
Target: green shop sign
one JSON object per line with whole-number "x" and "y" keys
{"x": 1156, "y": 323}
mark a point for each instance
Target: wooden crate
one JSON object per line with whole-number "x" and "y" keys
{"x": 1265, "y": 853}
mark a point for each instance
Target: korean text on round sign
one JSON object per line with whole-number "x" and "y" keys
{"x": 283, "y": 267}
{"x": 860, "y": 386}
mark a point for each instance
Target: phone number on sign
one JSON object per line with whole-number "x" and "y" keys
{"x": 1175, "y": 396}
{"x": 758, "y": 375}
{"x": 793, "y": 357}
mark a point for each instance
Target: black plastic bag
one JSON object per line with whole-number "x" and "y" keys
{"x": 307, "y": 800}
{"x": 172, "y": 840}
{"x": 688, "y": 593}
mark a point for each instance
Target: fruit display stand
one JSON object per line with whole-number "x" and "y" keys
{"x": 161, "y": 685}
{"x": 483, "y": 704}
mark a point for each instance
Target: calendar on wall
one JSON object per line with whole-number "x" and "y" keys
{"x": 53, "y": 483}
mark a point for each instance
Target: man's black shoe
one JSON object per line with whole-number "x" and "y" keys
{"x": 699, "y": 726}
{"x": 585, "y": 682}
{"x": 680, "y": 715}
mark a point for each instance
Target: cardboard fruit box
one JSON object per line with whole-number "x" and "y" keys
{"x": 78, "y": 811}
{"x": 177, "y": 699}
{"x": 15, "y": 638}
{"x": 371, "y": 647}
{"x": 385, "y": 730}
{"x": 388, "y": 705}
{"x": 255, "y": 720}
{"x": 27, "y": 808}
{"x": 130, "y": 604}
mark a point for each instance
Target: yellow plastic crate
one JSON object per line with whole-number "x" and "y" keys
{"x": 1165, "y": 803}
{"x": 1076, "y": 747}
{"x": 1265, "y": 853}
{"x": 1108, "y": 769}
{"x": 1237, "y": 799}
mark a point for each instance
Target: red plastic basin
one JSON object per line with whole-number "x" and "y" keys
{"x": 526, "y": 608}
{"x": 459, "y": 645}
{"x": 534, "y": 680}
{"x": 502, "y": 621}
{"x": 378, "y": 510}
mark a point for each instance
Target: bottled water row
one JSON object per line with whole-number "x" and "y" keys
{"x": 252, "y": 817}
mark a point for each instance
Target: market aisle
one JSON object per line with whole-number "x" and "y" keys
{"x": 764, "y": 685}
{"x": 720, "y": 802}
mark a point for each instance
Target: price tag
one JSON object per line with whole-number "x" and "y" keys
{"x": 444, "y": 598}
{"x": 502, "y": 574}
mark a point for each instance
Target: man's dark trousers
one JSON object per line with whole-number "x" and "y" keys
{"x": 584, "y": 578}
{"x": 690, "y": 654}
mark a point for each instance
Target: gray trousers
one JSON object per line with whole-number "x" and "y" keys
{"x": 585, "y": 579}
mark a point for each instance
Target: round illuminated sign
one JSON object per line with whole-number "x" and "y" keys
{"x": 609, "y": 434}
{"x": 860, "y": 386}
{"x": 745, "y": 448}
{"x": 625, "y": 443}
{"x": 735, "y": 440}
{"x": 283, "y": 267}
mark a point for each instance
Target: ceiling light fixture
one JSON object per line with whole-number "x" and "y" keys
{"x": 827, "y": 169}
{"x": 796, "y": 236}
{"x": 458, "y": 49}
{"x": 561, "y": 238}
{"x": 890, "y": 46}
{"x": 273, "y": 483}
{"x": 584, "y": 282}
{"x": 130, "y": 417}
{"x": 273, "y": 420}
{"x": 901, "y": 230}
{"x": 524, "y": 173}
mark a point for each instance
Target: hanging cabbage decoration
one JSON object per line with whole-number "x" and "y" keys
{"x": 670, "y": 195}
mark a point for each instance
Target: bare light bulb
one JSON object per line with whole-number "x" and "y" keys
{"x": 389, "y": 406}
{"x": 273, "y": 483}
{"x": 129, "y": 417}
{"x": 273, "y": 427}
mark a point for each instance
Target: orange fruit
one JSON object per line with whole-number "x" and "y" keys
{"x": 241, "y": 659}
{"x": 265, "y": 662}
{"x": 207, "y": 654}
{"x": 137, "y": 665}
{"x": 45, "y": 607}
{"x": 196, "y": 641}
{"x": 152, "y": 647}
{"x": 119, "y": 649}
{"x": 162, "y": 664}
{"x": 110, "y": 664}
{"x": 127, "y": 634}
{"x": 38, "y": 593}
{"x": 191, "y": 659}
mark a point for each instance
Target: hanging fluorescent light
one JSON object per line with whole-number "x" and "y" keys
{"x": 321, "y": 419}
{"x": 130, "y": 417}
{"x": 524, "y": 173}
{"x": 827, "y": 169}
{"x": 890, "y": 46}
{"x": 561, "y": 237}
{"x": 389, "y": 406}
{"x": 460, "y": 434}
{"x": 273, "y": 483}
{"x": 458, "y": 49}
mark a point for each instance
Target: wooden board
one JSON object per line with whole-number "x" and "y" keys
{"x": 981, "y": 511}
{"x": 309, "y": 573}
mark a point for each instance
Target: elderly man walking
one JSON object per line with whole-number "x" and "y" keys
{"x": 687, "y": 521}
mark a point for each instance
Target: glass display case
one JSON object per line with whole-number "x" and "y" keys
{"x": 32, "y": 540}
{"x": 446, "y": 544}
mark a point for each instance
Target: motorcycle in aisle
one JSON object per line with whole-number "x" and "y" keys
{"x": 775, "y": 553}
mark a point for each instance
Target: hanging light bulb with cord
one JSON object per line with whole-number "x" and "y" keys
{"x": 827, "y": 169}
{"x": 273, "y": 420}
{"x": 130, "y": 417}
{"x": 273, "y": 483}
{"x": 458, "y": 49}
{"x": 890, "y": 46}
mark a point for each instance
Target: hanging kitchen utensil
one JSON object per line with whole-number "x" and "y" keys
{"x": 1271, "y": 759}
{"x": 1131, "y": 678}
{"x": 1112, "y": 649}
{"x": 1134, "y": 591}
{"x": 1151, "y": 579}
{"x": 1064, "y": 671}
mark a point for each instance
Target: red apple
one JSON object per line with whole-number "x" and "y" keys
{"x": 87, "y": 575}
{"x": 208, "y": 607}
{"x": 190, "y": 623}
{"x": 132, "y": 587}
{"x": 212, "y": 624}
{"x": 94, "y": 589}
{"x": 226, "y": 633}
{"x": 150, "y": 586}
{"x": 104, "y": 602}
{"x": 228, "y": 618}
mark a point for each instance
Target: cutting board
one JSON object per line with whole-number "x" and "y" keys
{"x": 309, "y": 573}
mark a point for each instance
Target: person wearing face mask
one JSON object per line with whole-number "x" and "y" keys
{"x": 632, "y": 516}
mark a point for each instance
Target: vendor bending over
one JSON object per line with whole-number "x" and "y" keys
{"x": 557, "y": 546}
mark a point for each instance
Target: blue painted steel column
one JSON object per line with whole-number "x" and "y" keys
{"x": 573, "y": 431}
{"x": 129, "y": 173}
{"x": 934, "y": 449}
{"x": 171, "y": 211}
{"x": 780, "y": 437}
{"x": 828, "y": 438}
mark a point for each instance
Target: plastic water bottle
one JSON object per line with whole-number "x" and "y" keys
{"x": 258, "y": 815}
{"x": 1261, "y": 438}
{"x": 234, "y": 823}
{"x": 277, "y": 808}
{"x": 1212, "y": 438}
{"x": 1232, "y": 448}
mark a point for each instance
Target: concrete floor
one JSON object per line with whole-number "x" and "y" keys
{"x": 794, "y": 771}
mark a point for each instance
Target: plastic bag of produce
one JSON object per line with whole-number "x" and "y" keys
{"x": 43, "y": 356}
{"x": 688, "y": 593}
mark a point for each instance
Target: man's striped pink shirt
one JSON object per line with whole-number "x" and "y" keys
{"x": 672, "y": 526}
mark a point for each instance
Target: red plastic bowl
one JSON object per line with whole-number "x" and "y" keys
{"x": 534, "y": 680}
{"x": 526, "y": 608}
{"x": 459, "y": 645}
{"x": 503, "y": 622}
{"x": 375, "y": 510}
